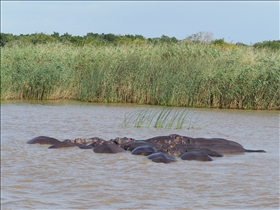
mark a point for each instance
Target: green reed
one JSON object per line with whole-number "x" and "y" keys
{"x": 167, "y": 117}
{"x": 186, "y": 75}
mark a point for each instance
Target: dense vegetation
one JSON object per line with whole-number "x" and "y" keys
{"x": 132, "y": 69}
{"x": 92, "y": 39}
{"x": 96, "y": 39}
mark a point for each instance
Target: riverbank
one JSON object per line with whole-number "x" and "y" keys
{"x": 185, "y": 74}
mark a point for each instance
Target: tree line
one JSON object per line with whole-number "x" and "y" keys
{"x": 89, "y": 38}
{"x": 7, "y": 39}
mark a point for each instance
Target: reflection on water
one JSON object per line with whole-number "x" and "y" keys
{"x": 33, "y": 176}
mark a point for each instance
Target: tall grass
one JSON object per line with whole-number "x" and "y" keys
{"x": 192, "y": 75}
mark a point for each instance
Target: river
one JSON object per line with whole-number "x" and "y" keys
{"x": 35, "y": 177}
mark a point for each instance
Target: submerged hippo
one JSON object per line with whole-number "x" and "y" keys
{"x": 108, "y": 148}
{"x": 229, "y": 149}
{"x": 176, "y": 149}
{"x": 160, "y": 157}
{"x": 178, "y": 139}
{"x": 144, "y": 150}
{"x": 207, "y": 152}
{"x": 195, "y": 155}
{"x": 160, "y": 139}
{"x": 83, "y": 146}
{"x": 122, "y": 141}
{"x": 90, "y": 143}
{"x": 171, "y": 139}
{"x": 216, "y": 144}
{"x": 211, "y": 141}
{"x": 64, "y": 144}
{"x": 132, "y": 145}
{"x": 43, "y": 140}
{"x": 83, "y": 143}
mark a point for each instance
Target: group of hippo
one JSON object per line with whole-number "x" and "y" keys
{"x": 160, "y": 149}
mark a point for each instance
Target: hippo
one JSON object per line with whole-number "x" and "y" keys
{"x": 160, "y": 157}
{"x": 43, "y": 140}
{"x": 132, "y": 145}
{"x": 195, "y": 155}
{"x": 108, "y": 148}
{"x": 216, "y": 144}
{"x": 90, "y": 143}
{"x": 176, "y": 149}
{"x": 160, "y": 139}
{"x": 207, "y": 152}
{"x": 82, "y": 143}
{"x": 63, "y": 144}
{"x": 177, "y": 139}
{"x": 122, "y": 141}
{"x": 211, "y": 141}
{"x": 96, "y": 141}
{"x": 228, "y": 149}
{"x": 83, "y": 146}
{"x": 171, "y": 139}
{"x": 144, "y": 150}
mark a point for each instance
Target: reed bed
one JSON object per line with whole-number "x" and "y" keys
{"x": 167, "y": 117}
{"x": 185, "y": 74}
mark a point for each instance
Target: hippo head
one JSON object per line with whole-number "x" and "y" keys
{"x": 68, "y": 141}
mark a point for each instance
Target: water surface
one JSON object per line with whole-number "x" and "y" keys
{"x": 35, "y": 177}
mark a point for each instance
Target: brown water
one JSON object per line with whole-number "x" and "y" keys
{"x": 35, "y": 177}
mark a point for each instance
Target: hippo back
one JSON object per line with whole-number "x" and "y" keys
{"x": 43, "y": 140}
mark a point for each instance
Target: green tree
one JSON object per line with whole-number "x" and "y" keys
{"x": 5, "y": 38}
{"x": 274, "y": 44}
{"x": 55, "y": 35}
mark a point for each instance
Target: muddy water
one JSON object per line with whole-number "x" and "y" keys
{"x": 35, "y": 177}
